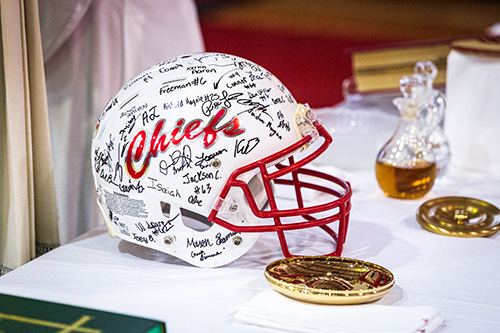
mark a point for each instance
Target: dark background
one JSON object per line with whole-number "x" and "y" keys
{"x": 307, "y": 43}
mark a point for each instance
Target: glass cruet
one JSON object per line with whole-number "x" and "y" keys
{"x": 436, "y": 140}
{"x": 406, "y": 166}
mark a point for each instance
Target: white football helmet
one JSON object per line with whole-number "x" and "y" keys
{"x": 187, "y": 157}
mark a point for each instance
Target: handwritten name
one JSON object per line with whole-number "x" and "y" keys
{"x": 203, "y": 160}
{"x": 161, "y": 227}
{"x": 203, "y": 256}
{"x": 174, "y": 193}
{"x": 197, "y": 81}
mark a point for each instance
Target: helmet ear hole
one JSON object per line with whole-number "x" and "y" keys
{"x": 195, "y": 221}
{"x": 165, "y": 209}
{"x": 190, "y": 219}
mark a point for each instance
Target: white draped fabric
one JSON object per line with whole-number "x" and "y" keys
{"x": 91, "y": 48}
{"x": 28, "y": 213}
{"x": 473, "y": 119}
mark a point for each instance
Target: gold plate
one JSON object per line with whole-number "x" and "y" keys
{"x": 329, "y": 280}
{"x": 459, "y": 217}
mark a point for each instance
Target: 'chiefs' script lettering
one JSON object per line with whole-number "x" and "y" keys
{"x": 159, "y": 142}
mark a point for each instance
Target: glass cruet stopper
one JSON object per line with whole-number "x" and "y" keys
{"x": 428, "y": 71}
{"x": 436, "y": 140}
{"x": 406, "y": 166}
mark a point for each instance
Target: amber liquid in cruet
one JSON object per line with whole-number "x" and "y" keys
{"x": 406, "y": 182}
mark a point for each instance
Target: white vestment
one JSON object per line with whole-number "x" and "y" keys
{"x": 91, "y": 49}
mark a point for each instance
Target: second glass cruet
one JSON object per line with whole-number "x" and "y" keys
{"x": 437, "y": 140}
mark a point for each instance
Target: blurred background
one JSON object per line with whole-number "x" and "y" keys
{"x": 308, "y": 43}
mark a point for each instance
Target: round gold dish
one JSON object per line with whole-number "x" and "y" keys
{"x": 329, "y": 280}
{"x": 459, "y": 217}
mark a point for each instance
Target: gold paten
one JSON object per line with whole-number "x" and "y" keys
{"x": 459, "y": 217}
{"x": 329, "y": 280}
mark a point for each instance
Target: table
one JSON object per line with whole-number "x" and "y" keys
{"x": 457, "y": 275}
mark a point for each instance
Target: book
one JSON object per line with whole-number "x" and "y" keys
{"x": 19, "y": 314}
{"x": 380, "y": 69}
{"x": 488, "y": 45}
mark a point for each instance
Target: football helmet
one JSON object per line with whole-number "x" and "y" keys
{"x": 188, "y": 157}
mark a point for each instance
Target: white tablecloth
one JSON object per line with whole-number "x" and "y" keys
{"x": 459, "y": 276}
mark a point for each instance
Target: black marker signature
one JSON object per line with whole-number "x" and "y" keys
{"x": 179, "y": 161}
